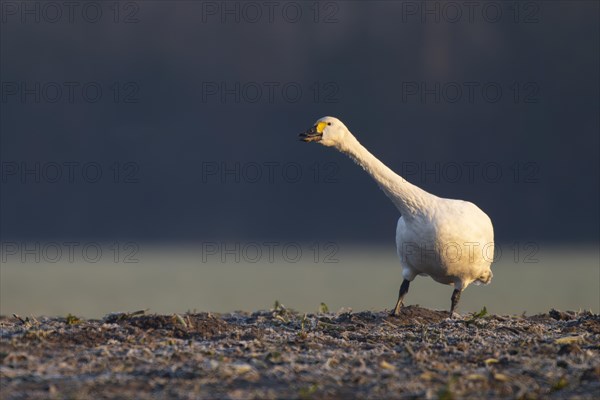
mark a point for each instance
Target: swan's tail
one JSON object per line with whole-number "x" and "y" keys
{"x": 485, "y": 278}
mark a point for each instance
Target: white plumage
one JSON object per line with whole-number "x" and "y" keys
{"x": 452, "y": 241}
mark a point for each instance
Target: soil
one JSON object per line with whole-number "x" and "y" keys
{"x": 421, "y": 354}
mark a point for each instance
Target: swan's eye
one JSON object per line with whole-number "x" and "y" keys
{"x": 329, "y": 123}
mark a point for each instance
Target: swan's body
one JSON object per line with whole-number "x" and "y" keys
{"x": 449, "y": 240}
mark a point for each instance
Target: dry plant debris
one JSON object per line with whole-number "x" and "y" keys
{"x": 421, "y": 354}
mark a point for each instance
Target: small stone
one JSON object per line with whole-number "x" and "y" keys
{"x": 386, "y": 365}
{"x": 569, "y": 340}
{"x": 591, "y": 374}
{"x": 501, "y": 377}
{"x": 571, "y": 348}
{"x": 559, "y": 315}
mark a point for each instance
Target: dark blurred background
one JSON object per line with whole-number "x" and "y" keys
{"x": 190, "y": 112}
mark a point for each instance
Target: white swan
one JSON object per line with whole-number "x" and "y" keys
{"x": 449, "y": 240}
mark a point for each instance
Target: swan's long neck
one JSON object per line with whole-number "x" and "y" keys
{"x": 409, "y": 199}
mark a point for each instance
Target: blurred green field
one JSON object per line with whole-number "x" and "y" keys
{"x": 178, "y": 279}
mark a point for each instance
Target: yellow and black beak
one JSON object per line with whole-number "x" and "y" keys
{"x": 314, "y": 134}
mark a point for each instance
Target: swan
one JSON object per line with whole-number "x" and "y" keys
{"x": 449, "y": 240}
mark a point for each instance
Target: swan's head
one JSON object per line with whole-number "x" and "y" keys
{"x": 328, "y": 131}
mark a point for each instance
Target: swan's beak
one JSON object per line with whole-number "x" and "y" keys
{"x": 311, "y": 135}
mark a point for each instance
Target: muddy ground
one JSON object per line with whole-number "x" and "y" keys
{"x": 283, "y": 354}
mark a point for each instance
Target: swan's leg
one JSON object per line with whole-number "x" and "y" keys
{"x": 455, "y": 298}
{"x": 401, "y": 294}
